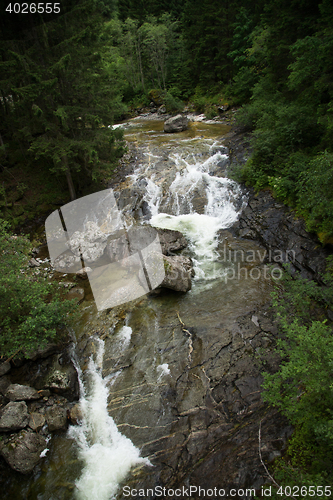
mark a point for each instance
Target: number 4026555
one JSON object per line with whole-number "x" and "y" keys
{"x": 41, "y": 8}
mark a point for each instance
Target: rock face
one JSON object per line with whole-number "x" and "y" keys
{"x": 176, "y": 123}
{"x": 14, "y": 416}
{"x": 75, "y": 293}
{"x": 212, "y": 406}
{"x": 17, "y": 392}
{"x": 75, "y": 414}
{"x": 56, "y": 418}
{"x": 4, "y": 384}
{"x": 4, "y": 368}
{"x": 36, "y": 421}
{"x": 118, "y": 248}
{"x": 91, "y": 243}
{"x": 22, "y": 451}
{"x": 61, "y": 378}
{"x": 178, "y": 272}
{"x": 283, "y": 235}
{"x": 171, "y": 241}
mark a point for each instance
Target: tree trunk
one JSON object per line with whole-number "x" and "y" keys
{"x": 138, "y": 51}
{"x": 2, "y": 144}
{"x": 69, "y": 180}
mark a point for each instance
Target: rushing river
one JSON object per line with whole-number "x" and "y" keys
{"x": 141, "y": 375}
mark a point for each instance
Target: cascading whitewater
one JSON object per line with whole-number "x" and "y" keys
{"x": 223, "y": 204}
{"x": 107, "y": 455}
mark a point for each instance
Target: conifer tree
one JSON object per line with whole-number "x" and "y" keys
{"x": 56, "y": 98}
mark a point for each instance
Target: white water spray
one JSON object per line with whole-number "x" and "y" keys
{"x": 222, "y": 197}
{"x": 163, "y": 370}
{"x": 108, "y": 456}
{"x": 124, "y": 336}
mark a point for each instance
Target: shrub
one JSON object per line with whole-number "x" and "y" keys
{"x": 302, "y": 387}
{"x": 172, "y": 104}
{"x": 31, "y": 311}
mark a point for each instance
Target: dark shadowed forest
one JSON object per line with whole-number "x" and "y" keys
{"x": 68, "y": 75}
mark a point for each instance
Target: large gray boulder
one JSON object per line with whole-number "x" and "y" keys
{"x": 61, "y": 378}
{"x": 75, "y": 414}
{"x": 18, "y": 392}
{"x": 4, "y": 384}
{"x": 36, "y": 421}
{"x": 76, "y": 293}
{"x": 178, "y": 273}
{"x": 89, "y": 243}
{"x": 56, "y": 418}
{"x": 176, "y": 123}
{"x": 22, "y": 451}
{"x": 14, "y": 416}
{"x": 171, "y": 241}
{"x": 4, "y": 368}
{"x": 65, "y": 261}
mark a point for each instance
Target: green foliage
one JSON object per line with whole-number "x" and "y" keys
{"x": 244, "y": 63}
{"x": 60, "y": 91}
{"x": 316, "y": 193}
{"x": 172, "y": 104}
{"x": 207, "y": 27}
{"x": 208, "y": 103}
{"x": 302, "y": 387}
{"x": 303, "y": 484}
{"x": 161, "y": 97}
{"x": 31, "y": 311}
{"x": 147, "y": 55}
{"x": 290, "y": 111}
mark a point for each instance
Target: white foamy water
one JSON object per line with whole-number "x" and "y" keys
{"x": 163, "y": 370}
{"x": 124, "y": 336}
{"x": 108, "y": 456}
{"x": 222, "y": 197}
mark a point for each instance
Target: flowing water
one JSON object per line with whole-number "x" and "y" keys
{"x": 132, "y": 359}
{"x": 107, "y": 455}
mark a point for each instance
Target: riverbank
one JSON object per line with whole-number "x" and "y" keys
{"x": 186, "y": 384}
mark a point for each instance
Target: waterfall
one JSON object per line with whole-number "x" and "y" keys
{"x": 223, "y": 203}
{"x": 107, "y": 455}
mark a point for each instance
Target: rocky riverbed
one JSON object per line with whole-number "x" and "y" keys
{"x": 184, "y": 370}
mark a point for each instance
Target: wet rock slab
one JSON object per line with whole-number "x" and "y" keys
{"x": 14, "y": 416}
{"x": 4, "y": 368}
{"x": 18, "y": 392}
{"x": 22, "y": 451}
{"x": 199, "y": 425}
{"x": 284, "y": 236}
{"x": 176, "y": 123}
{"x": 178, "y": 273}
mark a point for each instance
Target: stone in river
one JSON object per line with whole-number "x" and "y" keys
{"x": 14, "y": 416}
{"x": 22, "y": 451}
{"x": 18, "y": 392}
{"x": 176, "y": 123}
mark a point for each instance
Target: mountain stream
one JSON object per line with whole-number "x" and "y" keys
{"x": 162, "y": 378}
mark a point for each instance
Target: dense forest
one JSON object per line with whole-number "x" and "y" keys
{"x": 66, "y": 77}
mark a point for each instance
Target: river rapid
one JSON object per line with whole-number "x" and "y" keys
{"x": 170, "y": 382}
